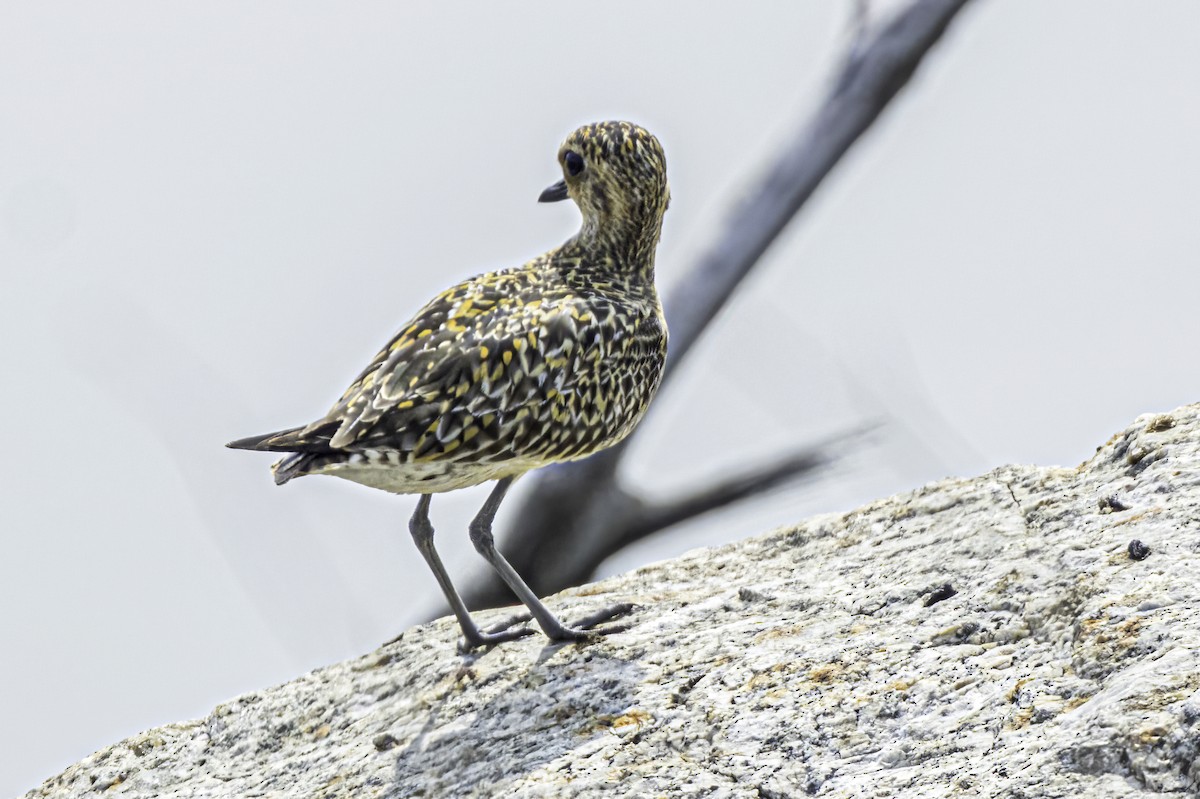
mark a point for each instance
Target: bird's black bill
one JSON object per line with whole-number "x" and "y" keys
{"x": 555, "y": 193}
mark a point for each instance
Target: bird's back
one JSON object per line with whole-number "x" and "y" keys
{"x": 497, "y": 375}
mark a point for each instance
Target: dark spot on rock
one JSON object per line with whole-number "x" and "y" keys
{"x": 1112, "y": 504}
{"x": 966, "y": 630}
{"x": 944, "y": 592}
{"x": 385, "y": 742}
{"x": 141, "y": 748}
{"x": 1142, "y": 456}
{"x": 1042, "y": 715}
{"x": 750, "y": 595}
{"x": 680, "y": 694}
{"x": 1138, "y": 550}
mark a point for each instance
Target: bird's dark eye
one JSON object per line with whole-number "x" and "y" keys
{"x": 574, "y": 162}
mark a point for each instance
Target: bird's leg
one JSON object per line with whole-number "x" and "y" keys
{"x": 481, "y": 537}
{"x": 422, "y": 533}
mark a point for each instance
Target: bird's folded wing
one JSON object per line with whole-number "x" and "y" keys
{"x": 440, "y": 386}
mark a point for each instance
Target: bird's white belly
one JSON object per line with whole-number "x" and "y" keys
{"x": 425, "y": 478}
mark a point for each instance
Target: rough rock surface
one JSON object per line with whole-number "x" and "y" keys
{"x": 830, "y": 659}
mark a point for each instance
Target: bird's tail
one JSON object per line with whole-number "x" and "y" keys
{"x": 280, "y": 441}
{"x": 309, "y": 448}
{"x": 310, "y": 438}
{"x": 294, "y": 465}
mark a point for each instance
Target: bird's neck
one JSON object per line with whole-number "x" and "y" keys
{"x": 627, "y": 246}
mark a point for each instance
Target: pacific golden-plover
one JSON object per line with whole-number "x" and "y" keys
{"x": 513, "y": 370}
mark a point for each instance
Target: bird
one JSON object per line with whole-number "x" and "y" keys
{"x": 513, "y": 370}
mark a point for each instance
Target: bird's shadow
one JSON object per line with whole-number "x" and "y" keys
{"x": 518, "y": 719}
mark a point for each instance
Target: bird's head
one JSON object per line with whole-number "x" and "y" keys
{"x": 617, "y": 174}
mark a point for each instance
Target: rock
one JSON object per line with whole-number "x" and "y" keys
{"x": 988, "y": 637}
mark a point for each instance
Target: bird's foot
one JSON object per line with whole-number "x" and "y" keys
{"x": 586, "y": 630}
{"x": 508, "y": 630}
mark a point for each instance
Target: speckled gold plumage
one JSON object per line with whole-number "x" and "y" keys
{"x": 515, "y": 369}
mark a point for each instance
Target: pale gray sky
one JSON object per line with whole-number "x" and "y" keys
{"x": 211, "y": 214}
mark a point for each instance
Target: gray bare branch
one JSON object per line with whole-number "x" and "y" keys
{"x": 576, "y": 514}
